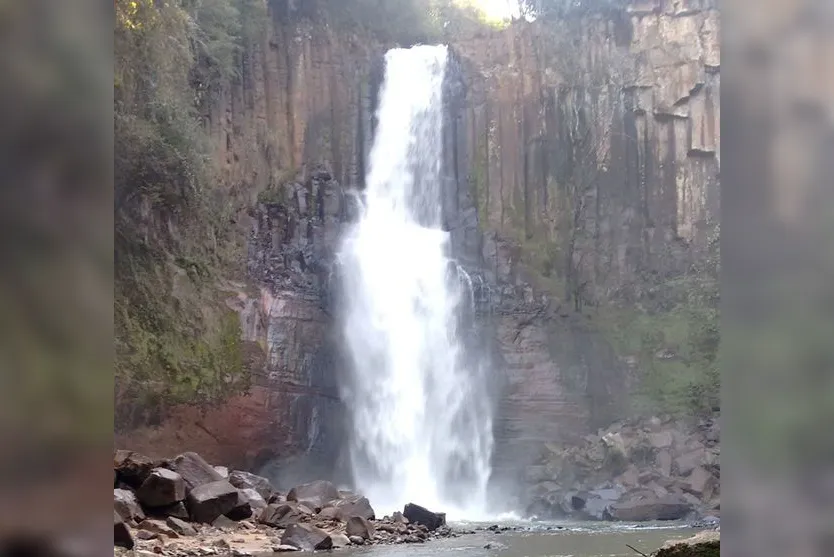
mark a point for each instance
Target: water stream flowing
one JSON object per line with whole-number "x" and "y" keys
{"x": 421, "y": 429}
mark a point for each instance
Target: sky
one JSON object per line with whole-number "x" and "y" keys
{"x": 498, "y": 9}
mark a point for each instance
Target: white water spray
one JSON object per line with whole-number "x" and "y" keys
{"x": 421, "y": 423}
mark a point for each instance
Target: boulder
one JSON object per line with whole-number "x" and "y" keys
{"x": 161, "y": 488}
{"x": 247, "y": 480}
{"x": 657, "y": 489}
{"x": 224, "y": 523}
{"x": 131, "y": 468}
{"x": 664, "y": 463}
{"x": 315, "y": 495}
{"x": 687, "y": 462}
{"x": 306, "y": 537}
{"x": 358, "y": 526}
{"x": 280, "y": 515}
{"x": 181, "y": 527}
{"x": 146, "y": 535}
{"x": 223, "y": 471}
{"x": 594, "y": 504}
{"x": 177, "y": 510}
{"x": 249, "y": 501}
{"x": 339, "y": 540}
{"x": 648, "y": 508}
{"x": 354, "y": 506}
{"x": 158, "y": 527}
{"x": 629, "y": 478}
{"x": 126, "y": 504}
{"x": 329, "y": 513}
{"x": 195, "y": 471}
{"x": 255, "y": 500}
{"x": 121, "y": 533}
{"x": 420, "y": 515}
{"x": 398, "y": 518}
{"x": 702, "y": 544}
{"x": 208, "y": 501}
{"x": 357, "y": 540}
{"x": 700, "y": 483}
{"x": 689, "y": 498}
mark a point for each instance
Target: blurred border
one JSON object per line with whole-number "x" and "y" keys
{"x": 778, "y": 277}
{"x": 56, "y": 387}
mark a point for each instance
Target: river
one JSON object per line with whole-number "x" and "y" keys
{"x": 542, "y": 539}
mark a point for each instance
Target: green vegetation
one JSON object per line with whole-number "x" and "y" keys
{"x": 175, "y": 339}
{"x": 404, "y": 22}
{"x": 674, "y": 335}
{"x": 566, "y": 9}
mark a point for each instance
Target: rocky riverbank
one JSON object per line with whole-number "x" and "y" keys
{"x": 184, "y": 506}
{"x": 637, "y": 471}
{"x": 702, "y": 544}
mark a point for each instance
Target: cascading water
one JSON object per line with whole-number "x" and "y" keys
{"x": 421, "y": 423}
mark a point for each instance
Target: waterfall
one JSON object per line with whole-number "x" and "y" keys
{"x": 421, "y": 427}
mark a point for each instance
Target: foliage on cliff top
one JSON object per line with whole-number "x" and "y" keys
{"x": 175, "y": 339}
{"x": 568, "y": 9}
{"x": 403, "y": 22}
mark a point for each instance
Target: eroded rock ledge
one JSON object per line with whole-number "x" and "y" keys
{"x": 184, "y": 506}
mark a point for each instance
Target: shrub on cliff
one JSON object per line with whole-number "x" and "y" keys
{"x": 175, "y": 339}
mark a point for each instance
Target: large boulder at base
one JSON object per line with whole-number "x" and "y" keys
{"x": 421, "y": 515}
{"x": 208, "y": 501}
{"x": 339, "y": 540}
{"x": 254, "y": 499}
{"x": 247, "y": 480}
{"x": 131, "y": 468}
{"x": 593, "y": 505}
{"x": 195, "y": 470}
{"x": 702, "y": 544}
{"x": 355, "y": 505}
{"x": 121, "y": 533}
{"x": 126, "y": 504}
{"x": 306, "y": 537}
{"x": 315, "y": 494}
{"x": 177, "y": 510}
{"x": 161, "y": 488}
{"x": 358, "y": 526}
{"x": 249, "y": 502}
{"x": 281, "y": 515}
{"x": 670, "y": 507}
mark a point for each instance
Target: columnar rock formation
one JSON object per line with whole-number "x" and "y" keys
{"x": 645, "y": 84}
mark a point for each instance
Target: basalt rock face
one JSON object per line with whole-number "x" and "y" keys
{"x": 303, "y": 103}
{"x": 549, "y": 222}
{"x": 294, "y": 133}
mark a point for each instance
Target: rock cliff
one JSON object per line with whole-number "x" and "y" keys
{"x": 587, "y": 154}
{"x": 304, "y": 96}
{"x": 581, "y": 165}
